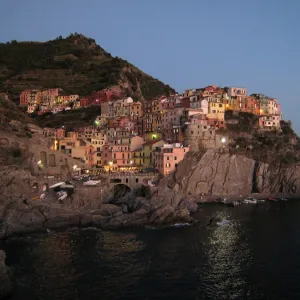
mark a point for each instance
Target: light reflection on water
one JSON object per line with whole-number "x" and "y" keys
{"x": 256, "y": 256}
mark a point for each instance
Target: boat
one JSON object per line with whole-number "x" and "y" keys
{"x": 63, "y": 186}
{"x": 67, "y": 185}
{"x": 56, "y": 185}
{"x": 283, "y": 199}
{"x": 273, "y": 199}
{"x": 250, "y": 200}
{"x": 90, "y": 182}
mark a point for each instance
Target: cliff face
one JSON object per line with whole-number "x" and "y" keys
{"x": 216, "y": 173}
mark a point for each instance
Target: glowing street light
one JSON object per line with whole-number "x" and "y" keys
{"x": 39, "y": 162}
{"x": 131, "y": 162}
{"x": 223, "y": 140}
{"x": 74, "y": 167}
{"x": 110, "y": 163}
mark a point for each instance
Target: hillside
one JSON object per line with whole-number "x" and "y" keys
{"x": 10, "y": 112}
{"x": 76, "y": 64}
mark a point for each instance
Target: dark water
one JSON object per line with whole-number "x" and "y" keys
{"x": 256, "y": 256}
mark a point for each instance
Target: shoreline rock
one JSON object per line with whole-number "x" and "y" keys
{"x": 199, "y": 178}
{"x": 5, "y": 278}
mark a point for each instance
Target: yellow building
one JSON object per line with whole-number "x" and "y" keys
{"x": 138, "y": 159}
{"x": 148, "y": 149}
{"x": 216, "y": 108}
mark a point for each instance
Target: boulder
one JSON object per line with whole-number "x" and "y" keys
{"x": 5, "y": 278}
{"x": 109, "y": 210}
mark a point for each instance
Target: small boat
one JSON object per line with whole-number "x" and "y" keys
{"x": 273, "y": 199}
{"x": 223, "y": 222}
{"x": 250, "y": 201}
{"x": 65, "y": 186}
{"x": 91, "y": 182}
{"x": 283, "y": 199}
{"x": 56, "y": 185}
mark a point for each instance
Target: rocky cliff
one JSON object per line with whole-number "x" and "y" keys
{"x": 210, "y": 174}
{"x": 217, "y": 173}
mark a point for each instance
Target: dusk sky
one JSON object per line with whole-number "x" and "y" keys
{"x": 187, "y": 44}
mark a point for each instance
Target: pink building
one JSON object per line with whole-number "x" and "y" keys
{"x": 60, "y": 133}
{"x": 166, "y": 158}
{"x": 122, "y": 156}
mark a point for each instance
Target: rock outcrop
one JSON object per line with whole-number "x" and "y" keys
{"x": 198, "y": 178}
{"x": 217, "y": 173}
{"x": 5, "y": 278}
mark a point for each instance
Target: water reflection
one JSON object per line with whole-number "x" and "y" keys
{"x": 56, "y": 266}
{"x": 226, "y": 253}
{"x": 256, "y": 256}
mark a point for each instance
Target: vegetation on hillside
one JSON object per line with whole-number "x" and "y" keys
{"x": 277, "y": 147}
{"x": 76, "y": 64}
{"x": 70, "y": 119}
{"x": 8, "y": 110}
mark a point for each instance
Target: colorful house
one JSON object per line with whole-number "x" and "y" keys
{"x": 148, "y": 149}
{"x": 167, "y": 157}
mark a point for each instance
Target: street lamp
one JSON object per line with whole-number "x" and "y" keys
{"x": 223, "y": 140}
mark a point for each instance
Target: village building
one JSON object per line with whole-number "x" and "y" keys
{"x": 167, "y": 157}
{"x": 270, "y": 122}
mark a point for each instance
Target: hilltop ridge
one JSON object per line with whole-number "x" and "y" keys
{"x": 76, "y": 64}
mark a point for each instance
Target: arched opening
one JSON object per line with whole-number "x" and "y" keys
{"x": 120, "y": 190}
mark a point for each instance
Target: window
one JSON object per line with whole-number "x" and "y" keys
{"x": 175, "y": 157}
{"x": 168, "y": 158}
{"x": 168, "y": 165}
